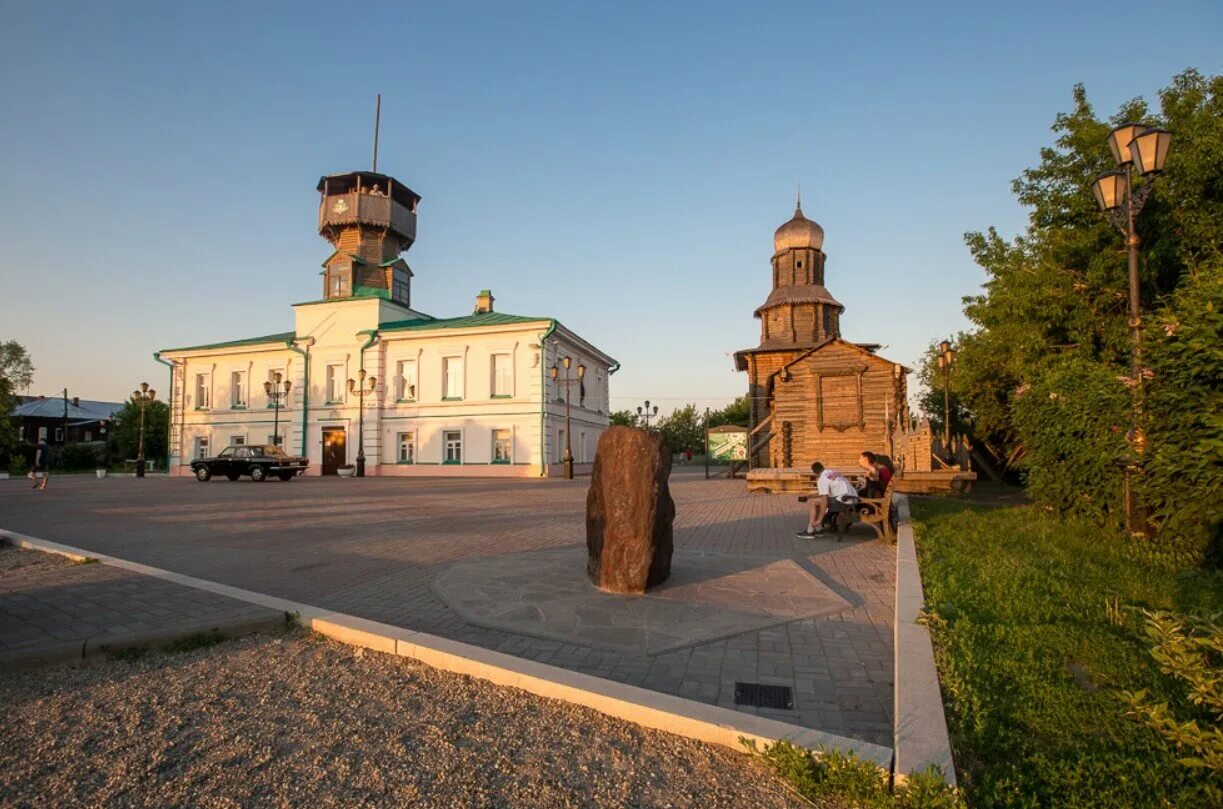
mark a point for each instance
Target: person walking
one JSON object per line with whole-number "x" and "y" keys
{"x": 42, "y": 464}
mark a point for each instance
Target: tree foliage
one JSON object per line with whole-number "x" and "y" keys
{"x": 737, "y": 412}
{"x": 1055, "y": 298}
{"x": 684, "y": 429}
{"x": 16, "y": 372}
{"x": 156, "y": 429}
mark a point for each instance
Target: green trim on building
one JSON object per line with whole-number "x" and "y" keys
{"x": 250, "y": 341}
{"x": 371, "y": 292}
{"x": 465, "y": 322}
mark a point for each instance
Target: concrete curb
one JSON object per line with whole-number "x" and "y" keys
{"x": 694, "y": 720}
{"x": 920, "y": 735}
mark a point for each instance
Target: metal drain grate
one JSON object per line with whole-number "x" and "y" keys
{"x": 760, "y": 695}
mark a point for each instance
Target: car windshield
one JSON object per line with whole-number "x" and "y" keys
{"x": 225, "y": 453}
{"x": 274, "y": 452}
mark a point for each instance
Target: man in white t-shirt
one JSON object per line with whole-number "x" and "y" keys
{"x": 834, "y": 493}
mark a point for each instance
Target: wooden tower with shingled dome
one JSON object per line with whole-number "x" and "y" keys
{"x": 814, "y": 396}
{"x": 370, "y": 220}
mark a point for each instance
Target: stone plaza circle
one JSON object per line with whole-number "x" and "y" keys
{"x": 746, "y": 601}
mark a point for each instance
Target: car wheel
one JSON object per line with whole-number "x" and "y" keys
{"x": 232, "y": 475}
{"x": 202, "y": 474}
{"x": 286, "y": 476}
{"x": 258, "y": 473}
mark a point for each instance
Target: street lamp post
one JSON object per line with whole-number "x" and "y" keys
{"x": 946, "y": 357}
{"x": 141, "y": 398}
{"x": 645, "y": 413}
{"x": 567, "y": 381}
{"x": 360, "y": 389}
{"x": 277, "y": 392}
{"x": 1139, "y": 150}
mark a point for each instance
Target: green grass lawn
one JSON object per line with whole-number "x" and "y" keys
{"x": 1031, "y": 664}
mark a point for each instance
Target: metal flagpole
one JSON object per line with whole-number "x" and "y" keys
{"x": 377, "y": 126}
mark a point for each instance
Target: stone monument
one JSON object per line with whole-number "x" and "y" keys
{"x": 629, "y": 512}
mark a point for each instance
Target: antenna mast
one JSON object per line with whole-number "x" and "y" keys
{"x": 377, "y": 125}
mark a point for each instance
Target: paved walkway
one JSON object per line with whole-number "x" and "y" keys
{"x": 53, "y": 609}
{"x": 378, "y": 548}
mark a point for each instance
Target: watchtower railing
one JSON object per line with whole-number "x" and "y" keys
{"x": 366, "y": 209}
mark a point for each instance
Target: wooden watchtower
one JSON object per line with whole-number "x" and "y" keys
{"x": 370, "y": 220}
{"x": 813, "y": 395}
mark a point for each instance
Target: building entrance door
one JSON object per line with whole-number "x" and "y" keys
{"x": 335, "y": 452}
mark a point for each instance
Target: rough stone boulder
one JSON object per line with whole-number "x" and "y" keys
{"x": 629, "y": 511}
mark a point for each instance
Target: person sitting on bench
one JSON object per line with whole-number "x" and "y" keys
{"x": 834, "y": 493}
{"x": 877, "y": 475}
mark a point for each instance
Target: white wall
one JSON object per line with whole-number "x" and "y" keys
{"x": 335, "y": 330}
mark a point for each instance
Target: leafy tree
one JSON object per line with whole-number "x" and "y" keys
{"x": 737, "y": 412}
{"x": 623, "y": 418}
{"x": 1060, "y": 289}
{"x": 156, "y": 429}
{"x": 1053, "y": 315}
{"x": 684, "y": 429}
{"x": 16, "y": 372}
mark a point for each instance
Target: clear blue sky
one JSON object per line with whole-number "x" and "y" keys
{"x": 619, "y": 166}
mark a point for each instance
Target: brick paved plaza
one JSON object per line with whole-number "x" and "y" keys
{"x": 376, "y": 548}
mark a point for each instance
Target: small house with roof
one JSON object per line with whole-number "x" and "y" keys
{"x": 370, "y": 377}
{"x": 60, "y": 420}
{"x": 814, "y": 396}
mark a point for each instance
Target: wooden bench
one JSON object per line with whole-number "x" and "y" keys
{"x": 877, "y": 513}
{"x": 873, "y": 511}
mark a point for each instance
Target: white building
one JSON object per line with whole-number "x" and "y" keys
{"x": 468, "y": 395}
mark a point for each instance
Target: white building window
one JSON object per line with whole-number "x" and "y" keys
{"x": 201, "y": 446}
{"x": 452, "y": 378}
{"x": 502, "y": 446}
{"x": 237, "y": 389}
{"x": 453, "y": 442}
{"x": 203, "y": 391}
{"x": 276, "y": 440}
{"x": 581, "y": 453}
{"x": 335, "y": 383}
{"x": 405, "y": 380}
{"x": 237, "y": 440}
{"x": 407, "y": 447}
{"x": 503, "y": 375}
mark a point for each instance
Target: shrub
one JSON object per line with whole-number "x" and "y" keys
{"x": 1190, "y": 649}
{"x": 1183, "y": 347}
{"x": 832, "y": 777}
{"x": 1072, "y": 422}
{"x": 18, "y": 465}
{"x": 76, "y": 457}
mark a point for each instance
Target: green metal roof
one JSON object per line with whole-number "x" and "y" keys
{"x": 282, "y": 337}
{"x": 466, "y": 322}
{"x": 421, "y": 324}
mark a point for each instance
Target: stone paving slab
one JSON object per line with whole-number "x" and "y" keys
{"x": 709, "y": 596}
{"x": 374, "y": 547}
{"x": 53, "y": 609}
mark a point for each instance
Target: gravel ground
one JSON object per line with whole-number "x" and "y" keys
{"x": 19, "y": 560}
{"x": 300, "y": 720}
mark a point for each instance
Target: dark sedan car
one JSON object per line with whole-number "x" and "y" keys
{"x": 258, "y": 461}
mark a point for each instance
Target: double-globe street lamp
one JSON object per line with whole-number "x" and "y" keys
{"x": 1138, "y": 150}
{"x": 567, "y": 381}
{"x": 359, "y": 388}
{"x": 646, "y": 413}
{"x": 277, "y": 392}
{"x": 142, "y": 398}
{"x": 946, "y": 356}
